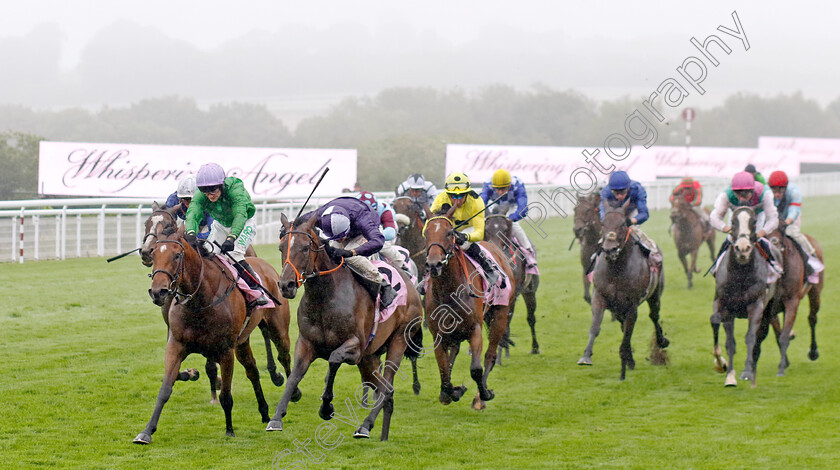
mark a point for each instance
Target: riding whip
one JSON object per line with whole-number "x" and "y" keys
{"x": 311, "y": 193}
{"x": 479, "y": 212}
{"x": 572, "y": 244}
{"x": 122, "y": 255}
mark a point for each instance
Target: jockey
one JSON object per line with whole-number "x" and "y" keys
{"x": 388, "y": 228}
{"x": 615, "y": 193}
{"x": 755, "y": 174}
{"x": 459, "y": 202}
{"x": 788, "y": 201}
{"x": 228, "y": 202}
{"x": 514, "y": 204}
{"x": 183, "y": 195}
{"x": 352, "y": 230}
{"x": 420, "y": 191}
{"x": 692, "y": 191}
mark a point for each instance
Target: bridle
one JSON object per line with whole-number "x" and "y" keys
{"x": 447, "y": 252}
{"x": 415, "y": 220}
{"x": 151, "y": 233}
{"x": 302, "y": 276}
{"x": 174, "y": 285}
{"x": 606, "y": 236}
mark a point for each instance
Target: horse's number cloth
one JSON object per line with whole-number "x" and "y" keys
{"x": 393, "y": 276}
{"x": 495, "y": 295}
{"x": 250, "y": 294}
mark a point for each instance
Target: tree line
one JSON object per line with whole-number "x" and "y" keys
{"x": 403, "y": 130}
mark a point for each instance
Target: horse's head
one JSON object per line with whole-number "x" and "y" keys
{"x": 299, "y": 248}
{"x": 168, "y": 259}
{"x": 411, "y": 212}
{"x": 440, "y": 243}
{"x": 615, "y": 229}
{"x": 160, "y": 220}
{"x": 498, "y": 226}
{"x": 678, "y": 206}
{"x": 586, "y": 214}
{"x": 743, "y": 230}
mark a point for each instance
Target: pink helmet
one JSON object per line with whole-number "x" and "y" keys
{"x": 743, "y": 180}
{"x": 210, "y": 174}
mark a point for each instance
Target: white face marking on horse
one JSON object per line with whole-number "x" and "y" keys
{"x": 742, "y": 241}
{"x": 437, "y": 228}
{"x": 163, "y": 249}
{"x": 156, "y": 220}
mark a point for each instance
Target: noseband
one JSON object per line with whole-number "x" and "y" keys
{"x": 302, "y": 277}
{"x": 447, "y": 252}
{"x": 180, "y": 297}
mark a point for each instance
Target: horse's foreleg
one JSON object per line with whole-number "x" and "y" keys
{"x": 531, "y": 304}
{"x": 246, "y": 358}
{"x": 476, "y": 344}
{"x": 755, "y": 313}
{"x": 447, "y": 392}
{"x": 791, "y": 306}
{"x": 655, "y": 302}
{"x": 729, "y": 328}
{"x": 175, "y": 354}
{"x": 497, "y": 330}
{"x": 626, "y": 349}
{"x": 225, "y": 397}
{"x": 720, "y": 363}
{"x": 279, "y": 334}
{"x": 269, "y": 354}
{"x": 304, "y": 355}
{"x": 692, "y": 268}
{"x": 385, "y": 390}
{"x": 586, "y": 296}
{"x": 212, "y": 371}
{"x": 814, "y": 304}
{"x": 686, "y": 268}
{"x": 594, "y": 329}
{"x": 351, "y": 353}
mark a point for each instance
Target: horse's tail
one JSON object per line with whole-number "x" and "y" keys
{"x": 415, "y": 345}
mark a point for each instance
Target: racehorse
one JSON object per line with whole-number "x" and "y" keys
{"x": 790, "y": 290}
{"x": 163, "y": 219}
{"x": 623, "y": 279}
{"x": 587, "y": 230}
{"x": 410, "y": 236}
{"x": 741, "y": 291}
{"x": 689, "y": 233}
{"x": 455, "y": 309}
{"x": 209, "y": 316}
{"x": 498, "y": 229}
{"x": 337, "y": 323}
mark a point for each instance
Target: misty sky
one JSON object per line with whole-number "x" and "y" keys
{"x": 299, "y": 57}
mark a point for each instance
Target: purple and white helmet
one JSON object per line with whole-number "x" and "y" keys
{"x": 210, "y": 174}
{"x": 335, "y": 223}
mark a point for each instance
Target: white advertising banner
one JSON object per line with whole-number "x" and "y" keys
{"x": 807, "y": 150}
{"x": 563, "y": 166}
{"x": 715, "y": 161}
{"x": 129, "y": 170}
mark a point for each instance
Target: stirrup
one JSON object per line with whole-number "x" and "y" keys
{"x": 259, "y": 302}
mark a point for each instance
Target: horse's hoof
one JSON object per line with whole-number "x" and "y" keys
{"x": 584, "y": 361}
{"x": 478, "y": 404}
{"x": 748, "y": 376}
{"x": 730, "y": 379}
{"x": 663, "y": 343}
{"x": 230, "y": 434}
{"x": 296, "y": 395}
{"x": 274, "y": 425}
{"x": 143, "y": 438}
{"x": 721, "y": 365}
{"x": 458, "y": 392}
{"x": 444, "y": 398}
{"x": 535, "y": 350}
{"x": 781, "y": 373}
{"x": 631, "y": 364}
{"x": 487, "y": 396}
{"x": 326, "y": 411}
{"x": 214, "y": 401}
{"x": 361, "y": 433}
{"x": 813, "y": 355}
{"x": 277, "y": 379}
{"x": 193, "y": 373}
{"x": 416, "y": 388}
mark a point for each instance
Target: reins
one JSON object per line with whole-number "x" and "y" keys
{"x": 301, "y": 278}
{"x": 182, "y": 298}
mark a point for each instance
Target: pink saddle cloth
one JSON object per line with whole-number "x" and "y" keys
{"x": 392, "y": 274}
{"x": 495, "y": 295}
{"x": 250, "y": 294}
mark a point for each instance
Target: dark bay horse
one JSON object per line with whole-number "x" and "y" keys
{"x": 587, "y": 230}
{"x": 455, "y": 310}
{"x": 410, "y": 236}
{"x": 741, "y": 291}
{"x": 336, "y": 322}
{"x": 790, "y": 290}
{"x": 690, "y": 232}
{"x": 498, "y": 229}
{"x": 209, "y": 317}
{"x": 622, "y": 279}
{"x": 164, "y": 219}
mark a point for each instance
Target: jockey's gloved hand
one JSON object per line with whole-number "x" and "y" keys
{"x": 628, "y": 221}
{"x": 460, "y": 237}
{"x": 336, "y": 254}
{"x": 228, "y": 244}
{"x": 190, "y": 237}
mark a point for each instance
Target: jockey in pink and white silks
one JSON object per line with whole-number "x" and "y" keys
{"x": 513, "y": 204}
{"x": 745, "y": 191}
{"x": 788, "y": 201}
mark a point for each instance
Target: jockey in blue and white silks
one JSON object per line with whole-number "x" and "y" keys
{"x": 513, "y": 204}
{"x": 621, "y": 188}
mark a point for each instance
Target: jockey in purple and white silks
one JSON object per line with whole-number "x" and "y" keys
{"x": 615, "y": 193}
{"x": 513, "y": 204}
{"x": 788, "y": 201}
{"x": 352, "y": 231}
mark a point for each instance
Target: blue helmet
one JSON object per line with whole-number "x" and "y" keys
{"x": 619, "y": 180}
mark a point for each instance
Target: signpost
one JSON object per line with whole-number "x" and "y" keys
{"x": 688, "y": 116}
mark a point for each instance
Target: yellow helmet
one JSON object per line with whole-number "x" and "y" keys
{"x": 457, "y": 183}
{"x": 501, "y": 179}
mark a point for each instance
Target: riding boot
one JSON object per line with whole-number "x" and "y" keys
{"x": 251, "y": 279}
{"x": 387, "y": 294}
{"x": 488, "y": 266}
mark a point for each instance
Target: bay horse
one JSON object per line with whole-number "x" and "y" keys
{"x": 410, "y": 236}
{"x": 455, "y": 309}
{"x": 741, "y": 291}
{"x": 790, "y": 290}
{"x": 690, "y": 231}
{"x": 209, "y": 317}
{"x": 498, "y": 230}
{"x": 336, "y": 322}
{"x": 163, "y": 219}
{"x": 623, "y": 279}
{"x": 587, "y": 229}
